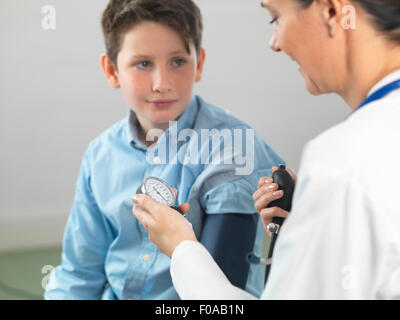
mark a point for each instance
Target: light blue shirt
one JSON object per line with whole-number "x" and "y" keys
{"x": 106, "y": 251}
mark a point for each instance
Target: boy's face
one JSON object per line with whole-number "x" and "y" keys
{"x": 156, "y": 74}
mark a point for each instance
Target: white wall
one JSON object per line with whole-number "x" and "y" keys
{"x": 54, "y": 100}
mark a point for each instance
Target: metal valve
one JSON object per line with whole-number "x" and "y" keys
{"x": 273, "y": 227}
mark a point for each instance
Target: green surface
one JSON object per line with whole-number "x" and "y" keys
{"x": 22, "y": 273}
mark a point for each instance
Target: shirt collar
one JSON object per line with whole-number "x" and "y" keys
{"x": 386, "y": 80}
{"x": 185, "y": 120}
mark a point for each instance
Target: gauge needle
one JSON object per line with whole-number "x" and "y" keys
{"x": 159, "y": 194}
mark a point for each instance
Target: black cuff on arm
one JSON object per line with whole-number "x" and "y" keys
{"x": 229, "y": 237}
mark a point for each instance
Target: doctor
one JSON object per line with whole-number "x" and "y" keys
{"x": 342, "y": 237}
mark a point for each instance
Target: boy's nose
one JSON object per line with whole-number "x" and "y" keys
{"x": 161, "y": 82}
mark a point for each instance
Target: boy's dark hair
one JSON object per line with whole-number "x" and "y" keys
{"x": 120, "y": 16}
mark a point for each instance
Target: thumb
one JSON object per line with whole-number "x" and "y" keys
{"x": 184, "y": 208}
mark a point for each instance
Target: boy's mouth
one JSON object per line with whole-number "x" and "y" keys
{"x": 162, "y": 104}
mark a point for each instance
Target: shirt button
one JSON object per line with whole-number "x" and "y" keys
{"x": 157, "y": 160}
{"x": 146, "y": 257}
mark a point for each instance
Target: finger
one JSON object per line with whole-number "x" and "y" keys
{"x": 264, "y": 189}
{"x": 146, "y": 203}
{"x": 144, "y": 217}
{"x": 274, "y": 169}
{"x": 184, "y": 208}
{"x": 263, "y": 181}
{"x": 267, "y": 198}
{"x": 269, "y": 213}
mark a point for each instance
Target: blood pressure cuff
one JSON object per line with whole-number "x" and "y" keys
{"x": 229, "y": 237}
{"x": 218, "y": 192}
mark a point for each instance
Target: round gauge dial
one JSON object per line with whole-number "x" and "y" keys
{"x": 159, "y": 191}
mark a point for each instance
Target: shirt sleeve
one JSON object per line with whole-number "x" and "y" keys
{"x": 86, "y": 240}
{"x": 232, "y": 196}
{"x": 196, "y": 276}
{"x": 236, "y": 195}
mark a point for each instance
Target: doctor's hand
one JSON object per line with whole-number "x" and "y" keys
{"x": 167, "y": 227}
{"x": 266, "y": 193}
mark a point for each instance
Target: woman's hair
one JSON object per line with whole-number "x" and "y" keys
{"x": 120, "y": 16}
{"x": 385, "y": 15}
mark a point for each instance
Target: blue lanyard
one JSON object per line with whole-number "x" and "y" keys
{"x": 379, "y": 94}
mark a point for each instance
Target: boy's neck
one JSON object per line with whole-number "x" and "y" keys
{"x": 144, "y": 127}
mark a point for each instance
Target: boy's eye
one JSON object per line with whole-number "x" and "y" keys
{"x": 273, "y": 20}
{"x": 142, "y": 64}
{"x": 178, "y": 62}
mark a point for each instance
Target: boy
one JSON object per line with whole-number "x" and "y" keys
{"x": 154, "y": 56}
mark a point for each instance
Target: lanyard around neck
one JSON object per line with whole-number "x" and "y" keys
{"x": 379, "y": 94}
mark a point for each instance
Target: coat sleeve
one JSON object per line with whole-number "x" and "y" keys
{"x": 196, "y": 276}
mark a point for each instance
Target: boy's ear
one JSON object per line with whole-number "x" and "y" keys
{"x": 200, "y": 64}
{"x": 109, "y": 70}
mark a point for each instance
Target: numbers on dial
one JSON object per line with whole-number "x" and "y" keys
{"x": 159, "y": 191}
